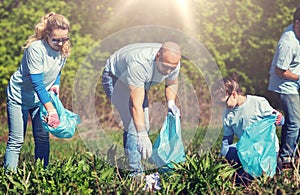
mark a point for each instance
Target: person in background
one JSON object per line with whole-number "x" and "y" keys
{"x": 241, "y": 111}
{"x": 128, "y": 75}
{"x": 284, "y": 83}
{"x": 40, "y": 69}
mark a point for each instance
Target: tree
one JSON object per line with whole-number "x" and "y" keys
{"x": 18, "y": 19}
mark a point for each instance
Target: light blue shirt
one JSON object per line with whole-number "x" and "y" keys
{"x": 236, "y": 120}
{"x": 38, "y": 58}
{"x": 286, "y": 57}
{"x": 135, "y": 64}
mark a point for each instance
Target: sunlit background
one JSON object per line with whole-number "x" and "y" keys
{"x": 173, "y": 13}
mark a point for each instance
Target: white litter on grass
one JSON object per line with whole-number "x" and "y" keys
{"x": 152, "y": 182}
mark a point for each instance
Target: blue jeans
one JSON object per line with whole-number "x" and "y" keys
{"x": 118, "y": 92}
{"x": 233, "y": 158}
{"x": 290, "y": 104}
{"x": 17, "y": 123}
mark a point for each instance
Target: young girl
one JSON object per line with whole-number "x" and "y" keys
{"x": 241, "y": 111}
{"x": 40, "y": 69}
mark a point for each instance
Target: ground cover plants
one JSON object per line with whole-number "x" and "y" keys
{"x": 75, "y": 170}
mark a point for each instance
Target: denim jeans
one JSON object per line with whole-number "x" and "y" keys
{"x": 118, "y": 92}
{"x": 232, "y": 157}
{"x": 290, "y": 104}
{"x": 17, "y": 123}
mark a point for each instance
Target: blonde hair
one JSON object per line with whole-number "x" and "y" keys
{"x": 47, "y": 24}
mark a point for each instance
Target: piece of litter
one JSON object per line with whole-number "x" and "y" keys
{"x": 152, "y": 182}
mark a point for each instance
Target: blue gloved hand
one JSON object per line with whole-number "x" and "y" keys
{"x": 173, "y": 108}
{"x": 144, "y": 144}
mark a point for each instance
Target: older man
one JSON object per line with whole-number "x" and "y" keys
{"x": 128, "y": 75}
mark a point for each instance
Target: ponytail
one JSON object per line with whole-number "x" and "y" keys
{"x": 47, "y": 24}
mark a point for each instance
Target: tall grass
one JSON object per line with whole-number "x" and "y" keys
{"x": 75, "y": 170}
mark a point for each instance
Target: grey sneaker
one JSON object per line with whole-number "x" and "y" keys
{"x": 137, "y": 176}
{"x": 287, "y": 162}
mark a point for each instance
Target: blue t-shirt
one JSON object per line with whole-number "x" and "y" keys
{"x": 135, "y": 65}
{"x": 236, "y": 120}
{"x": 286, "y": 57}
{"x": 38, "y": 58}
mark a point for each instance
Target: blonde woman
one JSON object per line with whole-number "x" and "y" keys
{"x": 44, "y": 57}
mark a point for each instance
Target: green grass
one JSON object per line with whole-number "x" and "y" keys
{"x": 75, "y": 170}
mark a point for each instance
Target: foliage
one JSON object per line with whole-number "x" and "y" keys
{"x": 200, "y": 175}
{"x": 16, "y": 28}
{"x": 92, "y": 16}
{"x": 86, "y": 173}
{"x": 75, "y": 170}
{"x": 240, "y": 36}
{"x": 18, "y": 19}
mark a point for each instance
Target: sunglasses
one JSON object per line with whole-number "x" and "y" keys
{"x": 167, "y": 66}
{"x": 62, "y": 40}
{"x": 227, "y": 99}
